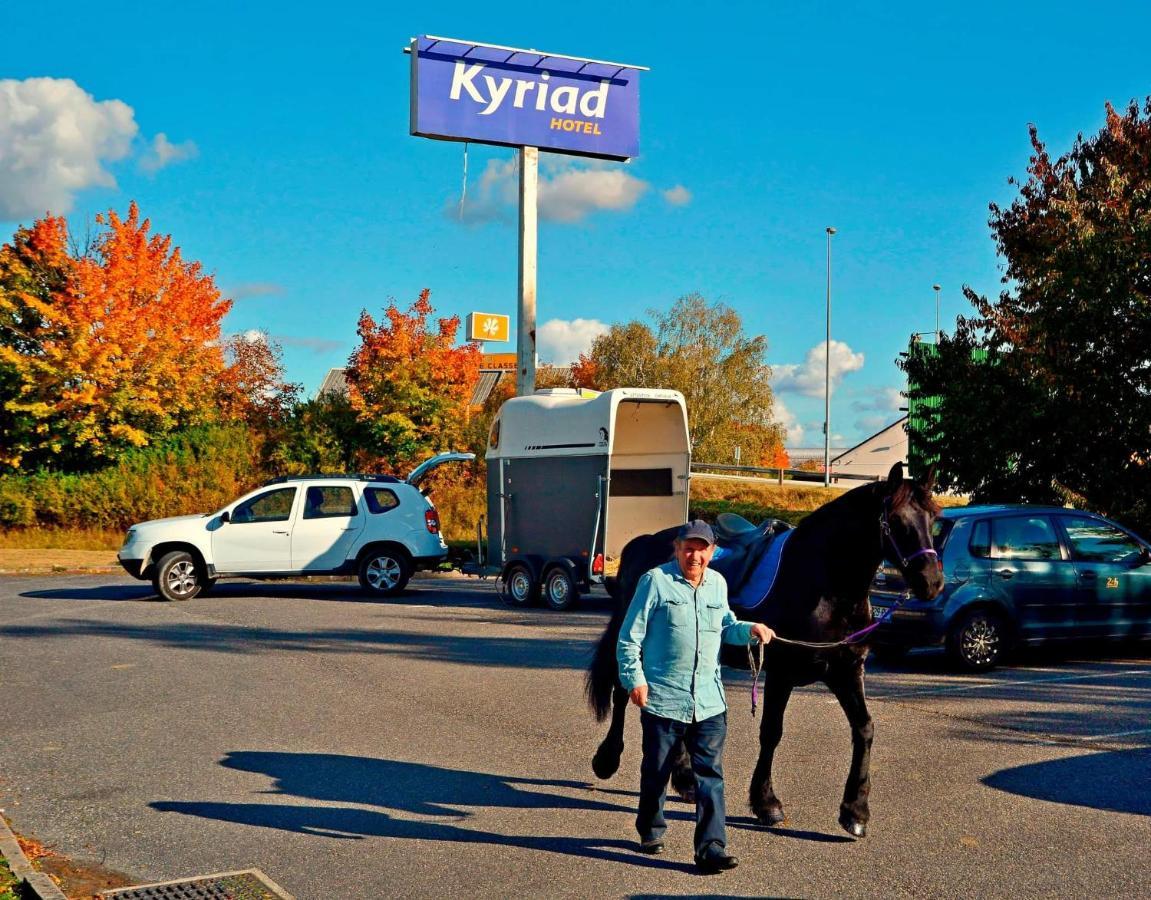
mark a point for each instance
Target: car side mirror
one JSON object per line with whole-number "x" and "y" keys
{"x": 225, "y": 517}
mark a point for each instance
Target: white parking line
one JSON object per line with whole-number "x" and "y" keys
{"x": 896, "y": 695}
{"x": 1114, "y": 734}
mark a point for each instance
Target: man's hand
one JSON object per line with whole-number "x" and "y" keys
{"x": 762, "y": 632}
{"x": 638, "y": 695}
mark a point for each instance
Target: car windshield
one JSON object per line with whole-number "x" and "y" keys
{"x": 939, "y": 531}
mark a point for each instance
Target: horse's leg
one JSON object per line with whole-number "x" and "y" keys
{"x": 682, "y": 777}
{"x": 605, "y": 763}
{"x": 847, "y": 685}
{"x": 761, "y": 796}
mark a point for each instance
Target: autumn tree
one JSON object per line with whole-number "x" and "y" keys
{"x": 1044, "y": 392}
{"x": 252, "y": 387}
{"x": 699, "y": 349}
{"x": 105, "y": 350}
{"x": 409, "y": 385}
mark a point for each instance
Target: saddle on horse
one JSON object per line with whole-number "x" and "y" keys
{"x": 747, "y": 556}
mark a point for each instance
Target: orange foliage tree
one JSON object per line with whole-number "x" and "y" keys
{"x": 106, "y": 349}
{"x": 409, "y": 385}
{"x": 252, "y": 386}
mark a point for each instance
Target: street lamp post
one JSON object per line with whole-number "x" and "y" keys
{"x": 937, "y": 289}
{"x": 827, "y": 375}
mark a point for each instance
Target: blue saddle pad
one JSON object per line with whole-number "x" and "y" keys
{"x": 761, "y": 580}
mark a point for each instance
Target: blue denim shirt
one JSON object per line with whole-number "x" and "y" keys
{"x": 670, "y": 641}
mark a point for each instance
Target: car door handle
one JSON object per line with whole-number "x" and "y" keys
{"x": 1088, "y": 576}
{"x": 281, "y": 532}
{"x": 1006, "y": 573}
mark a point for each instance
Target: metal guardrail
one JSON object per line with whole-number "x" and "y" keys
{"x": 790, "y": 474}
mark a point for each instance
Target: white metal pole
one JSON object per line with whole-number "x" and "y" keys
{"x": 827, "y": 375}
{"x": 937, "y": 288}
{"x": 526, "y": 338}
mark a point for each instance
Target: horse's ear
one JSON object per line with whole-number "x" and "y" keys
{"x": 929, "y": 479}
{"x": 895, "y": 476}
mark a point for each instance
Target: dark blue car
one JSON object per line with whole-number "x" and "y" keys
{"x": 1020, "y": 575}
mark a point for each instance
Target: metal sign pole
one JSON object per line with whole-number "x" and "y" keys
{"x": 526, "y": 338}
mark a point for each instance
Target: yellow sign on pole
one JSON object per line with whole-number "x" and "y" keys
{"x": 483, "y": 326}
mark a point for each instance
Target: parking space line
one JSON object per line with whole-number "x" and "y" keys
{"x": 1114, "y": 734}
{"x": 1007, "y": 683}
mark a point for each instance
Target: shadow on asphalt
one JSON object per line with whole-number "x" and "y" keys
{"x": 435, "y": 592}
{"x": 410, "y": 789}
{"x": 1115, "y": 781}
{"x": 523, "y": 652}
{"x": 934, "y": 661}
{"x": 747, "y": 823}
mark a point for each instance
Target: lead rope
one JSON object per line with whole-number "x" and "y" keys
{"x": 755, "y": 662}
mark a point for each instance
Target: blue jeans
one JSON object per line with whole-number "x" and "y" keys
{"x": 704, "y": 743}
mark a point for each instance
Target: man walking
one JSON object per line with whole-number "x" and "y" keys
{"x": 668, "y": 655}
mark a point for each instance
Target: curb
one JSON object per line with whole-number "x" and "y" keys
{"x": 36, "y": 885}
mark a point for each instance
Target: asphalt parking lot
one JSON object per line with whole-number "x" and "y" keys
{"x": 438, "y": 745}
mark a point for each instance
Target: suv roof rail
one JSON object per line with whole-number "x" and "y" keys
{"x": 354, "y": 476}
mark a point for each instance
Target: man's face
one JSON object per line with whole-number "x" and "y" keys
{"x": 693, "y": 556}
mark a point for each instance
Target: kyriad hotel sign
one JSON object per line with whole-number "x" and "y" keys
{"x": 520, "y": 98}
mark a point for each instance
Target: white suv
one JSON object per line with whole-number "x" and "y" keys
{"x": 377, "y": 527}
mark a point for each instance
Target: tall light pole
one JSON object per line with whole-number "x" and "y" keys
{"x": 937, "y": 289}
{"x": 827, "y": 375}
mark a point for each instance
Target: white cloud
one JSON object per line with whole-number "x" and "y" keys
{"x": 560, "y": 342}
{"x": 163, "y": 153}
{"x": 792, "y": 429}
{"x": 808, "y": 379}
{"x": 568, "y": 192}
{"x": 880, "y": 407}
{"x": 677, "y": 196}
{"x": 55, "y": 140}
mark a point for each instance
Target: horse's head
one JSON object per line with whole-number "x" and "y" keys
{"x": 909, "y": 511}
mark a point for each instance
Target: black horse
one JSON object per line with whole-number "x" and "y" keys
{"x": 819, "y": 597}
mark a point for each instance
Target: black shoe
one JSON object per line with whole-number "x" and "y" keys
{"x": 715, "y": 858}
{"x": 651, "y": 847}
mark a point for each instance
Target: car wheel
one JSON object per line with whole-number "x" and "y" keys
{"x": 208, "y": 584}
{"x": 520, "y": 586}
{"x": 385, "y": 572}
{"x": 978, "y": 640}
{"x": 178, "y": 577}
{"x": 559, "y": 590}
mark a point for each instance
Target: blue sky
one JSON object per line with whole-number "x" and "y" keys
{"x": 271, "y": 140}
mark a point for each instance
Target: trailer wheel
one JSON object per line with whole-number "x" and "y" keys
{"x": 560, "y": 591}
{"x": 520, "y": 586}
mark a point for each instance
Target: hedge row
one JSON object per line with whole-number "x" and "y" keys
{"x": 196, "y": 471}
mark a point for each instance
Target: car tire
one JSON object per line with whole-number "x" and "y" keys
{"x": 385, "y": 571}
{"x": 178, "y": 577}
{"x": 978, "y": 640}
{"x": 520, "y": 586}
{"x": 208, "y": 584}
{"x": 559, "y": 589}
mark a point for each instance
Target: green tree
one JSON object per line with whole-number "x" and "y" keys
{"x": 699, "y": 349}
{"x": 1060, "y": 406}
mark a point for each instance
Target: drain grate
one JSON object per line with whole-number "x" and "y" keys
{"x": 249, "y": 884}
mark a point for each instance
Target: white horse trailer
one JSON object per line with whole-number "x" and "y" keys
{"x": 572, "y": 477}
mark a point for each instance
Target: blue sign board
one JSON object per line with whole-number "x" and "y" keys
{"x": 518, "y": 98}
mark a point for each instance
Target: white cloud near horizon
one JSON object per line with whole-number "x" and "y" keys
{"x": 568, "y": 192}
{"x": 677, "y": 196}
{"x": 792, "y": 428}
{"x": 55, "y": 140}
{"x": 559, "y": 342}
{"x": 162, "y": 152}
{"x": 808, "y": 378}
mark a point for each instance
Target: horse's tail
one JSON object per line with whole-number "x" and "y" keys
{"x": 639, "y": 555}
{"x": 603, "y": 674}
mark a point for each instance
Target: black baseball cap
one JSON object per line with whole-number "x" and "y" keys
{"x": 697, "y": 529}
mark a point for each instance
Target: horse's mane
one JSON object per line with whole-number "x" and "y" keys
{"x": 865, "y": 495}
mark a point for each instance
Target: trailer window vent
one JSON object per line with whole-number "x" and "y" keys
{"x": 641, "y": 482}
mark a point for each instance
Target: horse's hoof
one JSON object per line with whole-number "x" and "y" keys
{"x": 605, "y": 763}
{"x": 853, "y": 827}
{"x": 772, "y": 817}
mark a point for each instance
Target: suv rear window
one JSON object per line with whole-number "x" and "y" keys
{"x": 380, "y": 500}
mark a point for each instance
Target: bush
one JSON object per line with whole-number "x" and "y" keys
{"x": 195, "y": 471}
